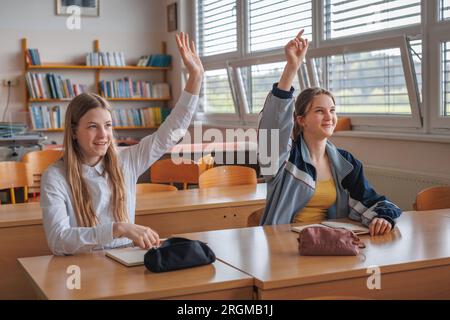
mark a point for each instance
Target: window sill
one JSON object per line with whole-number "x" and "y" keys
{"x": 394, "y": 136}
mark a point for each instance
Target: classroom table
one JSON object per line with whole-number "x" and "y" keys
{"x": 22, "y": 233}
{"x": 414, "y": 261}
{"x": 103, "y": 278}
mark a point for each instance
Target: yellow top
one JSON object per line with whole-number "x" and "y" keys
{"x": 323, "y": 198}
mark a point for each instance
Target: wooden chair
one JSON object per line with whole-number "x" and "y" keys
{"x": 187, "y": 172}
{"x": 343, "y": 124}
{"x": 14, "y": 175}
{"x": 143, "y": 188}
{"x": 255, "y": 217}
{"x": 433, "y": 198}
{"x": 227, "y": 176}
{"x": 38, "y": 162}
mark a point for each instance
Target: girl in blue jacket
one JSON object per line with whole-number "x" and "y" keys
{"x": 309, "y": 179}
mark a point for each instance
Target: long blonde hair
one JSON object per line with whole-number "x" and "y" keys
{"x": 73, "y": 160}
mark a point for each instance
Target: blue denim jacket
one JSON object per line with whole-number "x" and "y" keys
{"x": 291, "y": 178}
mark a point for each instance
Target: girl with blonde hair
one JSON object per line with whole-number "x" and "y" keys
{"x": 88, "y": 198}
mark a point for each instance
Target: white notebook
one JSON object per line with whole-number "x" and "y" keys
{"x": 356, "y": 228}
{"x": 132, "y": 256}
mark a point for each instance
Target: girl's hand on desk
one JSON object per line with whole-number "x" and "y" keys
{"x": 142, "y": 236}
{"x": 379, "y": 226}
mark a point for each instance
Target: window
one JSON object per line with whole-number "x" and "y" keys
{"x": 216, "y": 26}
{"x": 273, "y": 22}
{"x": 216, "y": 92}
{"x": 445, "y": 79}
{"x": 350, "y": 17}
{"x": 369, "y": 53}
{"x": 371, "y": 78}
{"x": 369, "y": 82}
{"x": 444, "y": 9}
{"x": 258, "y": 80}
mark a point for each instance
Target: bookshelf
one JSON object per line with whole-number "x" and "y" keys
{"x": 97, "y": 72}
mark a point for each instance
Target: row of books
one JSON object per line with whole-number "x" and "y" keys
{"x": 32, "y": 57}
{"x": 51, "y": 86}
{"x": 109, "y": 59}
{"x": 50, "y": 117}
{"x": 126, "y": 88}
{"x": 45, "y": 117}
{"x": 143, "y": 117}
{"x": 155, "y": 60}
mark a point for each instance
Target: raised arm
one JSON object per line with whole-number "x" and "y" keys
{"x": 276, "y": 122}
{"x": 295, "y": 52}
{"x": 152, "y": 147}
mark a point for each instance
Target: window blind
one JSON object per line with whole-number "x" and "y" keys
{"x": 216, "y": 92}
{"x": 445, "y": 78}
{"x": 444, "y": 10}
{"x": 272, "y": 23}
{"x": 369, "y": 82}
{"x": 352, "y": 17}
{"x": 216, "y": 27}
{"x": 258, "y": 81}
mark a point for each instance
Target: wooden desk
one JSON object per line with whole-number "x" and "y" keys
{"x": 199, "y": 209}
{"x": 103, "y": 278}
{"x": 22, "y": 233}
{"x": 414, "y": 261}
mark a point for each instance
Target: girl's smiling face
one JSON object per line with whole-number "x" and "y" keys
{"x": 94, "y": 135}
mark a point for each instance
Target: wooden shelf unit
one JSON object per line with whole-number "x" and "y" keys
{"x": 97, "y": 71}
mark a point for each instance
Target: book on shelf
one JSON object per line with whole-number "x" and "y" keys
{"x": 127, "y": 88}
{"x": 357, "y": 228}
{"x": 51, "y": 86}
{"x": 142, "y": 117}
{"x": 155, "y": 60}
{"x": 45, "y": 117}
{"x": 161, "y": 90}
{"x": 32, "y": 56}
{"x": 107, "y": 59}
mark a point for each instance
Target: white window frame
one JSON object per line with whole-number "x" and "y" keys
{"x": 439, "y": 32}
{"x": 411, "y": 121}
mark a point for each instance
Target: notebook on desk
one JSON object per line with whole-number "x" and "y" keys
{"x": 130, "y": 257}
{"x": 356, "y": 228}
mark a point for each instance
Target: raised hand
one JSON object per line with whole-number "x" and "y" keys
{"x": 189, "y": 55}
{"x": 295, "y": 50}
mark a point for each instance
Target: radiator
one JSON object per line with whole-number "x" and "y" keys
{"x": 401, "y": 186}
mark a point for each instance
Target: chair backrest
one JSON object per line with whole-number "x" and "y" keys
{"x": 166, "y": 171}
{"x": 142, "y": 188}
{"x": 227, "y": 176}
{"x": 255, "y": 217}
{"x": 14, "y": 175}
{"x": 433, "y": 198}
{"x": 38, "y": 162}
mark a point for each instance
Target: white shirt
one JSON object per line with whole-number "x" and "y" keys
{"x": 60, "y": 224}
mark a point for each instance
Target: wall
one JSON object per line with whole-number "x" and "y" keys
{"x": 135, "y": 27}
